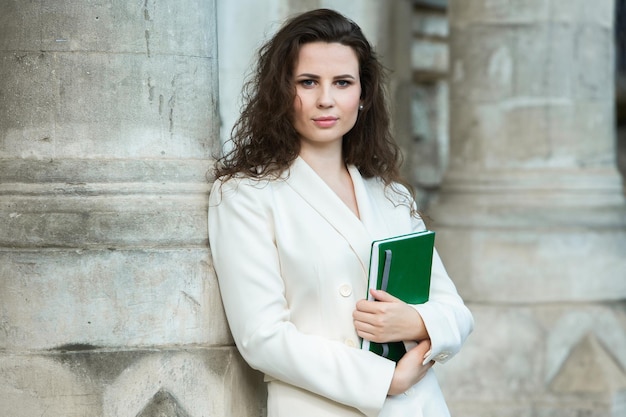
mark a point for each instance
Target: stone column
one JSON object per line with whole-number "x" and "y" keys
{"x": 531, "y": 221}
{"x": 108, "y": 121}
{"x": 428, "y": 137}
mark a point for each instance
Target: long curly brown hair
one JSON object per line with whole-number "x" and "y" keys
{"x": 264, "y": 141}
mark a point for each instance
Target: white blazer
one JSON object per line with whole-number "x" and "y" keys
{"x": 292, "y": 261}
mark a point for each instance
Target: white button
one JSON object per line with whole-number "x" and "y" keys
{"x": 345, "y": 290}
{"x": 441, "y": 357}
{"x": 350, "y": 343}
{"x": 409, "y": 392}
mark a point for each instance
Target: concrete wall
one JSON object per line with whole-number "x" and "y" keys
{"x": 108, "y": 121}
{"x": 505, "y": 112}
{"x": 531, "y": 217}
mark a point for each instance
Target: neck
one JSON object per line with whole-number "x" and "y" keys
{"x": 330, "y": 167}
{"x": 326, "y": 163}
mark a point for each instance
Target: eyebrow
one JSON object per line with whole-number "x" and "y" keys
{"x": 307, "y": 75}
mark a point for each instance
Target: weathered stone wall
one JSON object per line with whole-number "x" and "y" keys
{"x": 108, "y": 121}
{"x": 428, "y": 136}
{"x": 531, "y": 218}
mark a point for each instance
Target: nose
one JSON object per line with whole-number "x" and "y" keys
{"x": 325, "y": 98}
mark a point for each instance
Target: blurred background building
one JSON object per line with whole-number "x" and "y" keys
{"x": 511, "y": 115}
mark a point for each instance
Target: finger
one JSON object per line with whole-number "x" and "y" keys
{"x": 367, "y": 336}
{"x": 423, "y": 347}
{"x": 364, "y": 317}
{"x": 368, "y": 306}
{"x": 425, "y": 368}
{"x": 364, "y": 327}
{"x": 369, "y": 332}
{"x": 413, "y": 358}
{"x": 384, "y": 296}
{"x": 364, "y": 305}
{"x": 425, "y": 344}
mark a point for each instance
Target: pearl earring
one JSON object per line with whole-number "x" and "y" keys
{"x": 361, "y": 107}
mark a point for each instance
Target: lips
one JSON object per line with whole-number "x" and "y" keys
{"x": 325, "y": 121}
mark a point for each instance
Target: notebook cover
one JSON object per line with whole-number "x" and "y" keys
{"x": 408, "y": 279}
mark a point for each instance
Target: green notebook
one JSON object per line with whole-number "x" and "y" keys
{"x": 401, "y": 265}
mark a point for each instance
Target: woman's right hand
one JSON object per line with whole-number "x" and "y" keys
{"x": 410, "y": 369}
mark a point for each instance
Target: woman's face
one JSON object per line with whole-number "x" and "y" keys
{"x": 328, "y": 91}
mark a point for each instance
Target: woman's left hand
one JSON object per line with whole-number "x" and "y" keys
{"x": 388, "y": 319}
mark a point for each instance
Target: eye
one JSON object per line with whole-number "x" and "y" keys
{"x": 343, "y": 83}
{"x": 307, "y": 83}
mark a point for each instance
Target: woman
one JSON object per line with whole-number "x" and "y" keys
{"x": 311, "y": 180}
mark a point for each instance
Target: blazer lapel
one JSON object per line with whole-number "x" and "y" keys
{"x": 305, "y": 181}
{"x": 368, "y": 197}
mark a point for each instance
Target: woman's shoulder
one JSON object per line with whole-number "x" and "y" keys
{"x": 240, "y": 186}
{"x": 395, "y": 192}
{"x": 237, "y": 180}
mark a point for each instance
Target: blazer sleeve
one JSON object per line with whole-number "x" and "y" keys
{"x": 448, "y": 321}
{"x": 245, "y": 259}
